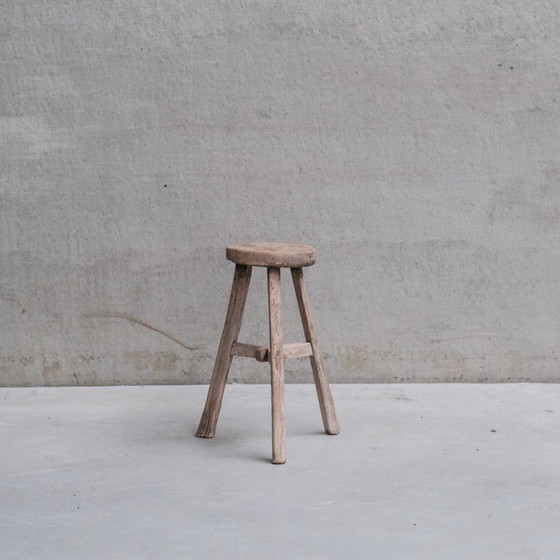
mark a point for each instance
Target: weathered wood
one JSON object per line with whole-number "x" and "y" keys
{"x": 260, "y": 353}
{"x": 232, "y": 326}
{"x": 275, "y": 255}
{"x": 297, "y": 350}
{"x": 326, "y": 403}
{"x": 276, "y": 358}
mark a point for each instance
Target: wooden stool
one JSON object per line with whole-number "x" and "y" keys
{"x": 273, "y": 256}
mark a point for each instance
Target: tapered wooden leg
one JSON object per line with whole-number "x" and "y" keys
{"x": 276, "y": 358}
{"x": 326, "y": 403}
{"x": 232, "y": 326}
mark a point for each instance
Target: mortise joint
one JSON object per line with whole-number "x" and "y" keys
{"x": 262, "y": 353}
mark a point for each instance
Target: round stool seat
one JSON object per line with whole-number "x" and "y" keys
{"x": 277, "y": 255}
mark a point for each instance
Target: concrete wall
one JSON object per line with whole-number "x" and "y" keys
{"x": 415, "y": 144}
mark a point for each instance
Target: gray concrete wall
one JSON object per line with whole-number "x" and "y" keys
{"x": 415, "y": 144}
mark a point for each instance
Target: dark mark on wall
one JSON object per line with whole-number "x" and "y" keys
{"x": 128, "y": 317}
{"x": 13, "y": 300}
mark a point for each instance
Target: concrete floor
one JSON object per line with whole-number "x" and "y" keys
{"x": 435, "y": 472}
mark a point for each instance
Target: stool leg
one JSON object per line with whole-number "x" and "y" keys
{"x": 326, "y": 403}
{"x": 232, "y": 326}
{"x": 276, "y": 357}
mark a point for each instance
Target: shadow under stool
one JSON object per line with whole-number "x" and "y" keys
{"x": 272, "y": 256}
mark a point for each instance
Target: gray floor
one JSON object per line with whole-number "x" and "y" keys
{"x": 429, "y": 472}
